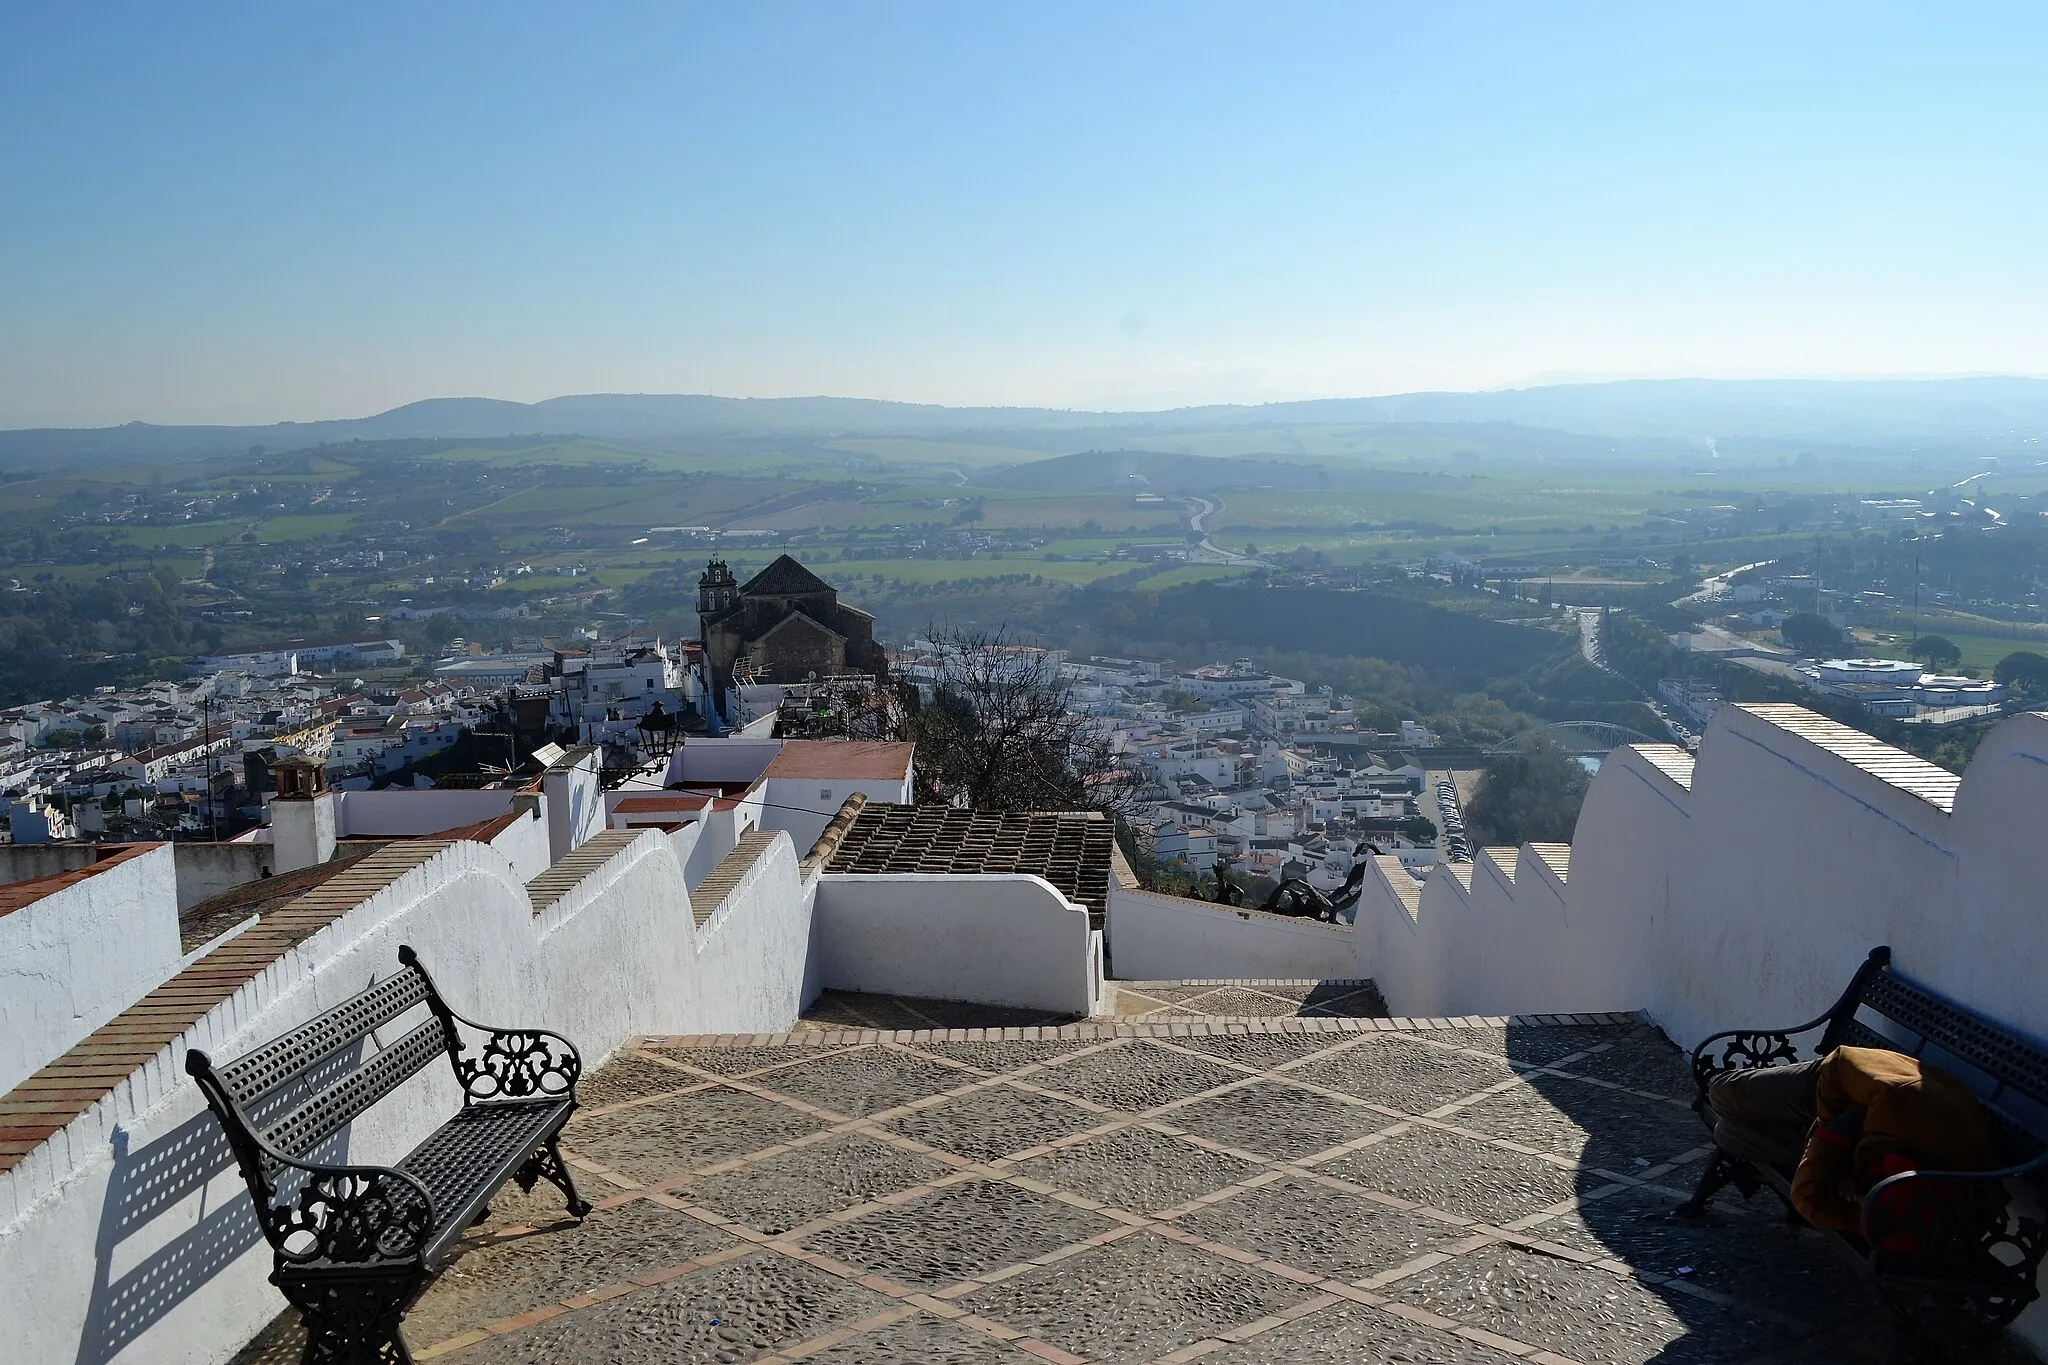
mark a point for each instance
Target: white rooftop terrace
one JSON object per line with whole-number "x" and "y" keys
{"x": 1735, "y": 887}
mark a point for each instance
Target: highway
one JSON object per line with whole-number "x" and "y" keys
{"x": 1589, "y": 647}
{"x": 1200, "y": 509}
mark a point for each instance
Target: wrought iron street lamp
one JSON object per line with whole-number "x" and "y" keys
{"x": 659, "y": 733}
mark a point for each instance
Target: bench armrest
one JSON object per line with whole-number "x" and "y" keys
{"x": 1955, "y": 1225}
{"x": 351, "y": 1215}
{"x": 513, "y": 1063}
{"x": 1746, "y": 1049}
{"x": 518, "y": 1064}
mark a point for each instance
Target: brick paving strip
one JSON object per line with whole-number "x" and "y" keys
{"x": 1040, "y": 1077}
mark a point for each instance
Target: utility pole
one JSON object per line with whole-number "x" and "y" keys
{"x": 1916, "y": 605}
{"x": 206, "y": 738}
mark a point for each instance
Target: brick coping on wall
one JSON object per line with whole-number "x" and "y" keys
{"x": 709, "y": 894}
{"x": 19, "y": 895}
{"x": 563, "y": 877}
{"x": 57, "y": 1095}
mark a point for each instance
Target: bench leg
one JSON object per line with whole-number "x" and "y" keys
{"x": 1722, "y": 1170}
{"x": 547, "y": 1164}
{"x": 353, "y": 1321}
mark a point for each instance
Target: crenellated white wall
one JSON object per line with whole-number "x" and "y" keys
{"x": 1743, "y": 888}
{"x": 127, "y": 1237}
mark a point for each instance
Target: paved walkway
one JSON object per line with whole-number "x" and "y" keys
{"x": 1281, "y": 1190}
{"x": 1127, "y": 1000}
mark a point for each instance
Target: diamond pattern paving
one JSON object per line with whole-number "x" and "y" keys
{"x": 1138, "y": 1169}
{"x": 792, "y": 1188}
{"x": 1244, "y": 1192}
{"x": 1277, "y": 1120}
{"x": 664, "y": 1138}
{"x": 958, "y": 1232}
{"x": 1405, "y": 1074}
{"x": 867, "y": 1081}
{"x": 1335, "y": 1233}
{"x": 1135, "y": 1298}
{"x": 992, "y": 1123}
{"x": 1458, "y": 1175}
{"x": 1135, "y": 1076}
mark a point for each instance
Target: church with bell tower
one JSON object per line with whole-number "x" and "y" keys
{"x": 787, "y": 622}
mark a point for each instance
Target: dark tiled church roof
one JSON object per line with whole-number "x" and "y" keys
{"x": 1070, "y": 849}
{"x": 785, "y": 577}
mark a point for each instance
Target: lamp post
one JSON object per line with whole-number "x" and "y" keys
{"x": 659, "y": 734}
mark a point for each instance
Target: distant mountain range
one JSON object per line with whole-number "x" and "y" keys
{"x": 1885, "y": 412}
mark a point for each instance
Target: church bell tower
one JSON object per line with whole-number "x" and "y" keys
{"x": 717, "y": 589}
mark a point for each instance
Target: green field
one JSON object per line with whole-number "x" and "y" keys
{"x": 957, "y": 453}
{"x": 1981, "y": 653}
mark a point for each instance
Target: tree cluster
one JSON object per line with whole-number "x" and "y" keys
{"x": 1532, "y": 794}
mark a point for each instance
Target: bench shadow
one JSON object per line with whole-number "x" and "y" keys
{"x": 148, "y": 1195}
{"x": 1797, "y": 1297}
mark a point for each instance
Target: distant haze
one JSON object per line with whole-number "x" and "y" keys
{"x": 250, "y": 213}
{"x": 1988, "y": 415}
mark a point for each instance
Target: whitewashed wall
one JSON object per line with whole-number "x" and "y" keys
{"x": 1008, "y": 939}
{"x": 183, "y": 1278}
{"x": 721, "y": 760}
{"x": 1747, "y": 896}
{"x": 757, "y": 964}
{"x": 524, "y": 843}
{"x": 805, "y": 805}
{"x": 1170, "y": 938}
{"x": 397, "y": 813}
{"x": 575, "y": 803}
{"x": 79, "y": 956}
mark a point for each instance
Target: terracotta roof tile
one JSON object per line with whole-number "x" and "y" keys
{"x": 1069, "y": 849}
{"x": 841, "y": 759}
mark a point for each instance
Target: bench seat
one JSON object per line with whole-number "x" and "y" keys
{"x": 469, "y": 1157}
{"x": 355, "y": 1244}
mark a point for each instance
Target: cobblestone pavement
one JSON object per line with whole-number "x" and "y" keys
{"x": 1133, "y": 1000}
{"x": 1446, "y": 1192}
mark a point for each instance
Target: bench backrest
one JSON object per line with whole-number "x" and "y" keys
{"x": 2006, "y": 1071}
{"x": 303, "y": 1087}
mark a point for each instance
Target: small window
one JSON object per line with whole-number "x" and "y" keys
{"x": 824, "y": 793}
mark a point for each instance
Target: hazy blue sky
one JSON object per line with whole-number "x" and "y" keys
{"x": 291, "y": 210}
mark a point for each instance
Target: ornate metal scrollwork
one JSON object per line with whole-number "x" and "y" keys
{"x": 546, "y": 1164}
{"x": 352, "y": 1320}
{"x": 1741, "y": 1052}
{"x": 1950, "y": 1253}
{"x": 520, "y": 1064}
{"x": 354, "y": 1215}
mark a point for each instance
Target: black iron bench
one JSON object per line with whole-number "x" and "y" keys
{"x": 354, "y": 1245}
{"x": 1954, "y": 1253}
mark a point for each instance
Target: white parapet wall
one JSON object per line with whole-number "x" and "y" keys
{"x": 1154, "y": 937}
{"x": 126, "y": 1236}
{"x": 1743, "y": 887}
{"x": 1005, "y": 939}
{"x": 90, "y": 943}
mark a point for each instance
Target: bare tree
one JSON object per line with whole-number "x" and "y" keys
{"x": 993, "y": 725}
{"x": 999, "y": 732}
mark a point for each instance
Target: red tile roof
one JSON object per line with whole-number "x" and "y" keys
{"x": 15, "y": 895}
{"x": 857, "y": 760}
{"x": 687, "y": 801}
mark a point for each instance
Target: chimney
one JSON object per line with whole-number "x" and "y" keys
{"x": 302, "y": 814}
{"x": 574, "y": 801}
